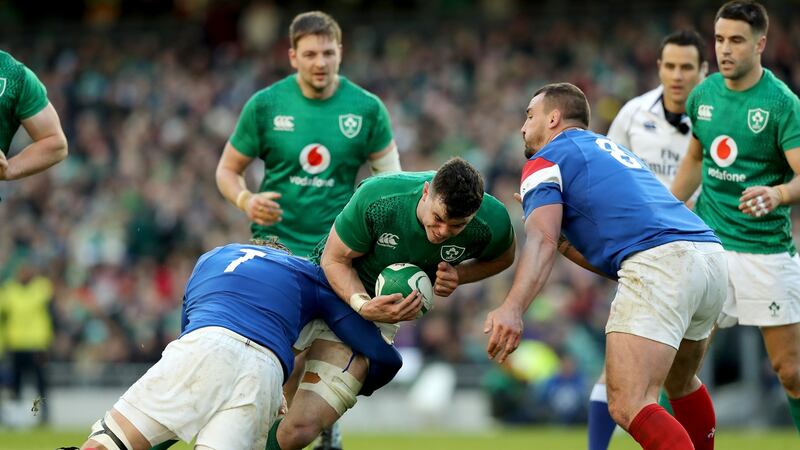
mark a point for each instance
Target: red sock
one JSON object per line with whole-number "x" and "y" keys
{"x": 654, "y": 429}
{"x": 696, "y": 413}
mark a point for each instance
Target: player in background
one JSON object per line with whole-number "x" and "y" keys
{"x": 441, "y": 221}
{"x": 314, "y": 130}
{"x": 655, "y": 127}
{"x": 623, "y": 223}
{"x": 220, "y": 381}
{"x": 745, "y": 151}
{"x": 23, "y": 101}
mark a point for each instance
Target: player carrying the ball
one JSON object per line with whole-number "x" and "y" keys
{"x": 441, "y": 221}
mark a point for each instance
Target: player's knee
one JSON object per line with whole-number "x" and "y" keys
{"x": 789, "y": 374}
{"x": 619, "y": 411}
{"x": 297, "y": 434}
{"x": 108, "y": 434}
{"x": 337, "y": 387}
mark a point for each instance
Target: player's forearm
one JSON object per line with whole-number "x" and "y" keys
{"x": 687, "y": 178}
{"x": 230, "y": 184}
{"x": 476, "y": 270}
{"x": 343, "y": 278}
{"x": 534, "y": 268}
{"x": 37, "y": 157}
{"x": 572, "y": 254}
{"x": 789, "y": 192}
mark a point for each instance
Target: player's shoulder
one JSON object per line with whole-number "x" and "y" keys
{"x": 643, "y": 102}
{"x": 357, "y": 95}
{"x": 393, "y": 183}
{"x": 778, "y": 89}
{"x": 10, "y": 66}
{"x": 491, "y": 208}
{"x": 285, "y": 86}
{"x": 712, "y": 83}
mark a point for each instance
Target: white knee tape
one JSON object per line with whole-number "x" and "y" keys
{"x": 337, "y": 387}
{"x": 109, "y": 434}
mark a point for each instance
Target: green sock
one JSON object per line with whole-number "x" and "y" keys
{"x": 164, "y": 445}
{"x": 663, "y": 400}
{"x": 794, "y": 410}
{"x": 272, "y": 437}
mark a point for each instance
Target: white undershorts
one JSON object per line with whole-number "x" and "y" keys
{"x": 671, "y": 292}
{"x": 212, "y": 384}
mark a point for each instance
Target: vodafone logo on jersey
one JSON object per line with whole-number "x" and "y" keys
{"x": 315, "y": 158}
{"x": 724, "y": 150}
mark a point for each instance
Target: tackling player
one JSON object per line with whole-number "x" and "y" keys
{"x": 654, "y": 126}
{"x": 313, "y": 130}
{"x": 23, "y": 101}
{"x": 441, "y": 221}
{"x": 220, "y": 381}
{"x": 746, "y": 152}
{"x": 624, "y": 223}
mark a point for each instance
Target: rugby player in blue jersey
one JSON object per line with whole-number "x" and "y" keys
{"x": 599, "y": 205}
{"x": 220, "y": 381}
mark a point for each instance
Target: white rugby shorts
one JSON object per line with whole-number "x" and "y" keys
{"x": 763, "y": 290}
{"x": 671, "y": 292}
{"x": 212, "y": 384}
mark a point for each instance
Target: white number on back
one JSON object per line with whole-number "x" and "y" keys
{"x": 248, "y": 255}
{"x": 618, "y": 153}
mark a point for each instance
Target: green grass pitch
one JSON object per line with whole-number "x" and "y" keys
{"x": 507, "y": 439}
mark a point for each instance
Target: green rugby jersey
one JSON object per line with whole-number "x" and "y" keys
{"x": 312, "y": 151}
{"x": 381, "y": 222}
{"x": 744, "y": 135}
{"x": 22, "y": 95}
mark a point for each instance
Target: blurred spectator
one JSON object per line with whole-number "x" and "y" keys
{"x": 27, "y": 330}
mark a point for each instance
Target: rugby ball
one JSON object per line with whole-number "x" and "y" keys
{"x": 402, "y": 278}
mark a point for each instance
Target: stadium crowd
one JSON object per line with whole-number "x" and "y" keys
{"x": 117, "y": 227}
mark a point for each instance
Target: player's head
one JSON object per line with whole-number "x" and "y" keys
{"x": 681, "y": 64}
{"x": 450, "y": 200}
{"x": 316, "y": 49}
{"x": 552, "y": 109}
{"x": 740, "y": 34}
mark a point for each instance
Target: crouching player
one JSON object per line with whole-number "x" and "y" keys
{"x": 220, "y": 381}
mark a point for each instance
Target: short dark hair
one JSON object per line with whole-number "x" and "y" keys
{"x": 314, "y": 22}
{"x": 460, "y": 186}
{"x": 271, "y": 242}
{"x": 748, "y": 11}
{"x": 685, "y": 38}
{"x": 567, "y": 98}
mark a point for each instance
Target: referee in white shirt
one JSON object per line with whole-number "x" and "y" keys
{"x": 655, "y": 127}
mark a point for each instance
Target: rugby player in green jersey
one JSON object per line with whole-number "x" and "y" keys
{"x": 746, "y": 153}
{"x": 314, "y": 130}
{"x": 23, "y": 101}
{"x": 442, "y": 222}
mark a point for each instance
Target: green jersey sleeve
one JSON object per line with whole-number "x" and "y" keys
{"x": 502, "y": 231}
{"x": 381, "y": 133}
{"x": 351, "y": 224}
{"x": 246, "y": 137}
{"x": 691, "y": 111}
{"x": 33, "y": 97}
{"x": 789, "y": 129}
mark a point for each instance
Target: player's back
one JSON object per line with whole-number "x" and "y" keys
{"x": 261, "y": 293}
{"x": 613, "y": 205}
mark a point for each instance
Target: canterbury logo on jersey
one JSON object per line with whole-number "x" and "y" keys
{"x": 704, "y": 112}
{"x": 388, "y": 240}
{"x": 283, "y": 123}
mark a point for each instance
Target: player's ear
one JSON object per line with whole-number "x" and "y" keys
{"x": 703, "y": 69}
{"x": 554, "y": 118}
{"x": 293, "y": 57}
{"x": 761, "y": 44}
{"x": 425, "y": 189}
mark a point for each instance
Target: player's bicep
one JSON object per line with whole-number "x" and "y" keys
{"x": 793, "y": 158}
{"x": 695, "y": 149}
{"x": 233, "y": 160}
{"x": 43, "y": 124}
{"x": 337, "y": 251}
{"x": 545, "y": 221}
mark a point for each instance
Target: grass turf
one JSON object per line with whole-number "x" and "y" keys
{"x": 550, "y": 438}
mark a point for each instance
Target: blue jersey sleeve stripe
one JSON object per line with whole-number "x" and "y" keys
{"x": 548, "y": 193}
